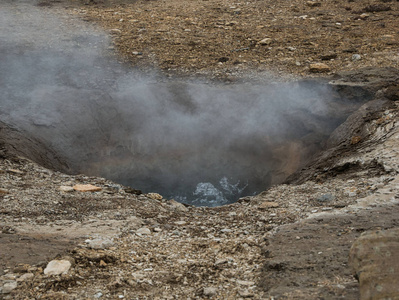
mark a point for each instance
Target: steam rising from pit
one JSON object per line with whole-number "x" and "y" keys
{"x": 200, "y": 143}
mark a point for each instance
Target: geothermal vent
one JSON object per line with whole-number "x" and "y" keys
{"x": 196, "y": 142}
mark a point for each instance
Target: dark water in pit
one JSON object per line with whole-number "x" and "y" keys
{"x": 199, "y": 143}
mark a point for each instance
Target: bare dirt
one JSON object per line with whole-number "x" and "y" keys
{"x": 290, "y": 242}
{"x": 227, "y": 39}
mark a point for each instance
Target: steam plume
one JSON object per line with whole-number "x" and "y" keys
{"x": 194, "y": 141}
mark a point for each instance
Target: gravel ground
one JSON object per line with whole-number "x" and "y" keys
{"x": 290, "y": 242}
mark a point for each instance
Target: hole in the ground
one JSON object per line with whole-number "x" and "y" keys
{"x": 199, "y": 143}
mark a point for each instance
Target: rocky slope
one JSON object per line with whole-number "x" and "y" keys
{"x": 290, "y": 242}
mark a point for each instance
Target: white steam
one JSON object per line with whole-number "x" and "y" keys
{"x": 182, "y": 139}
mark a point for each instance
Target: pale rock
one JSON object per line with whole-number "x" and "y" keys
{"x": 154, "y": 196}
{"x": 8, "y": 287}
{"x": 25, "y": 277}
{"x": 180, "y": 222}
{"x": 245, "y": 282}
{"x": 221, "y": 261}
{"x": 313, "y": 3}
{"x": 99, "y": 243}
{"x": 177, "y": 206}
{"x": 57, "y": 267}
{"x": 138, "y": 275}
{"x": 246, "y": 294}
{"x": 66, "y": 189}
{"x": 143, "y": 231}
{"x": 265, "y": 41}
{"x": 209, "y": 291}
{"x": 267, "y": 205}
{"x": 86, "y": 188}
{"x": 3, "y": 191}
{"x": 15, "y": 171}
{"x": 319, "y": 68}
{"x": 364, "y": 16}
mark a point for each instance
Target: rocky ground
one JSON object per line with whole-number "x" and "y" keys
{"x": 227, "y": 39}
{"x": 290, "y": 242}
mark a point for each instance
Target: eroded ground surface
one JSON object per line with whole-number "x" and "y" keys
{"x": 291, "y": 242}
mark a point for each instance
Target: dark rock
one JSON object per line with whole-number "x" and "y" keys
{"x": 392, "y": 92}
{"x": 329, "y": 56}
{"x": 223, "y": 59}
{"x": 377, "y": 8}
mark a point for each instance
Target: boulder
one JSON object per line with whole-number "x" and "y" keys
{"x": 374, "y": 258}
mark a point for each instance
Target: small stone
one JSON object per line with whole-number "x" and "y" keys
{"x": 313, "y": 4}
{"x": 267, "y": 205}
{"x": 15, "y": 171}
{"x": 221, "y": 261}
{"x": 25, "y": 277}
{"x": 265, "y": 41}
{"x": 245, "y": 282}
{"x": 364, "y": 16}
{"x": 143, "y": 231}
{"x": 154, "y": 196}
{"x": 328, "y": 56}
{"x": 319, "y": 68}
{"x": 180, "y": 222}
{"x": 98, "y": 295}
{"x": 177, "y": 206}
{"x": 157, "y": 229}
{"x": 246, "y": 294}
{"x": 8, "y": 287}
{"x": 103, "y": 263}
{"x": 4, "y": 191}
{"x": 99, "y": 243}
{"x": 326, "y": 197}
{"x": 66, "y": 189}
{"x": 356, "y": 57}
{"x": 326, "y": 208}
{"x": 138, "y": 276}
{"x": 86, "y": 188}
{"x": 115, "y": 31}
{"x": 57, "y": 267}
{"x": 210, "y": 291}
{"x": 355, "y": 139}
